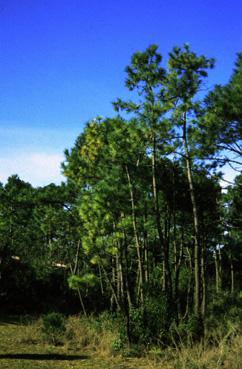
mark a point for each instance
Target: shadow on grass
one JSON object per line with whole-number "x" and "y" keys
{"x": 6, "y": 320}
{"x": 16, "y": 319}
{"x": 43, "y": 357}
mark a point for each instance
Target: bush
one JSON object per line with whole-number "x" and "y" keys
{"x": 117, "y": 345}
{"x": 158, "y": 319}
{"x": 151, "y": 324}
{"x": 224, "y": 312}
{"x": 188, "y": 331}
{"x": 53, "y": 327}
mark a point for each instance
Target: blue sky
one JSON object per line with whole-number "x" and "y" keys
{"x": 62, "y": 63}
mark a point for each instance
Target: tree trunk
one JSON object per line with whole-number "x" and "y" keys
{"x": 166, "y": 281}
{"x": 100, "y": 279}
{"x": 126, "y": 274}
{"x": 117, "y": 273}
{"x": 114, "y": 293}
{"x": 73, "y": 271}
{"x": 190, "y": 293}
{"x": 231, "y": 274}
{"x": 204, "y": 281}
{"x": 113, "y": 266}
{"x": 197, "y": 248}
{"x": 218, "y": 276}
{"x": 137, "y": 242}
{"x": 146, "y": 245}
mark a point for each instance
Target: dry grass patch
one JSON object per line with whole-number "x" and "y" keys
{"x": 30, "y": 332}
{"x": 91, "y": 335}
{"x": 93, "y": 338}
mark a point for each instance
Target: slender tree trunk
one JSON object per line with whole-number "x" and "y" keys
{"x": 178, "y": 252}
{"x": 113, "y": 266}
{"x": 218, "y": 268}
{"x": 146, "y": 260}
{"x": 114, "y": 293}
{"x": 218, "y": 276}
{"x": 137, "y": 242}
{"x": 120, "y": 273}
{"x": 197, "y": 248}
{"x": 190, "y": 293}
{"x": 124, "y": 284}
{"x": 76, "y": 257}
{"x": 216, "y": 271}
{"x": 166, "y": 282}
{"x": 129, "y": 302}
{"x": 81, "y": 301}
{"x": 118, "y": 276}
{"x": 146, "y": 256}
{"x": 178, "y": 256}
{"x": 126, "y": 294}
{"x": 231, "y": 274}
{"x": 204, "y": 281}
{"x": 126, "y": 274}
{"x": 100, "y": 279}
{"x": 73, "y": 271}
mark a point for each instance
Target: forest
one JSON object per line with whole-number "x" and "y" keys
{"x": 145, "y": 228}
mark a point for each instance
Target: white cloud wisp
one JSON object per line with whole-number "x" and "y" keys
{"x": 37, "y": 168}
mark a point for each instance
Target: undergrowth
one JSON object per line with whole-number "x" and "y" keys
{"x": 101, "y": 336}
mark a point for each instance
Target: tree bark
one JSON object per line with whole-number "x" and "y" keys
{"x": 73, "y": 271}
{"x": 204, "y": 281}
{"x": 231, "y": 274}
{"x": 218, "y": 271}
{"x": 137, "y": 241}
{"x": 166, "y": 281}
{"x": 114, "y": 293}
{"x": 197, "y": 248}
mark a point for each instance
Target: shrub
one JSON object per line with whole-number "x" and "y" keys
{"x": 117, "y": 345}
{"x": 151, "y": 323}
{"x": 187, "y": 332}
{"x": 223, "y": 318}
{"x": 53, "y": 327}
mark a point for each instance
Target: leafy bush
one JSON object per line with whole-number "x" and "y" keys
{"x": 223, "y": 310}
{"x": 117, "y": 345}
{"x": 151, "y": 324}
{"x": 138, "y": 331}
{"x": 53, "y": 327}
{"x": 188, "y": 331}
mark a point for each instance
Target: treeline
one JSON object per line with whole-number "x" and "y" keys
{"x": 142, "y": 226}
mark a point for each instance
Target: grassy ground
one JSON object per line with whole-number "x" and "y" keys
{"x": 22, "y": 347}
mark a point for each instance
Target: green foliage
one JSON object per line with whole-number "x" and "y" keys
{"x": 224, "y": 312}
{"x": 117, "y": 345}
{"x": 220, "y": 125}
{"x": 188, "y": 331}
{"x": 150, "y": 324}
{"x": 87, "y": 280}
{"x": 138, "y": 331}
{"x": 223, "y": 305}
{"x": 53, "y": 327}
